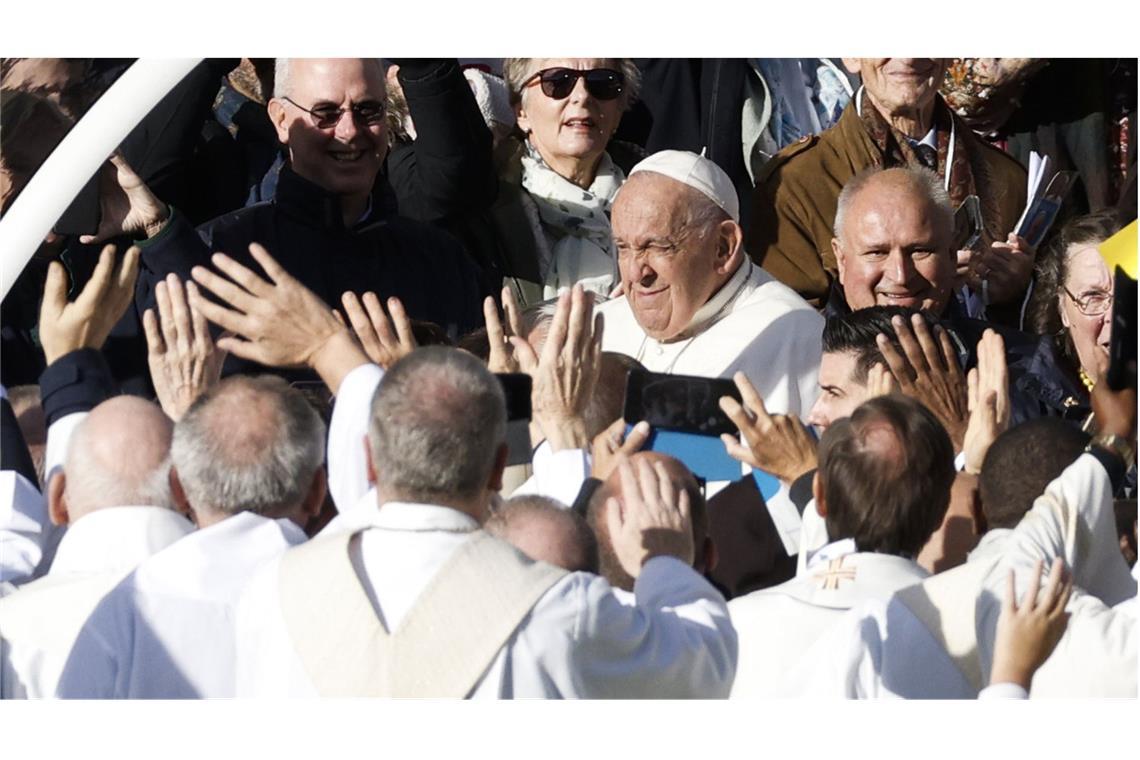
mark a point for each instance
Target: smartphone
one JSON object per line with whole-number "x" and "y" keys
{"x": 1122, "y": 343}
{"x": 517, "y": 388}
{"x": 685, "y": 419}
{"x": 967, "y": 224}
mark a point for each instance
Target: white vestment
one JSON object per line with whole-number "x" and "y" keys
{"x": 777, "y": 625}
{"x": 38, "y": 625}
{"x": 166, "y": 631}
{"x": 885, "y": 649}
{"x": 754, "y": 324}
{"x": 579, "y": 640}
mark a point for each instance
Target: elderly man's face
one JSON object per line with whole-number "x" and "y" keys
{"x": 839, "y": 393}
{"x": 669, "y": 268}
{"x": 894, "y": 249}
{"x": 344, "y": 158}
{"x": 899, "y": 85}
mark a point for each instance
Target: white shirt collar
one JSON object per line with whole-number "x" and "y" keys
{"x": 401, "y": 515}
{"x": 834, "y": 550}
{"x": 117, "y": 538}
{"x": 715, "y": 306}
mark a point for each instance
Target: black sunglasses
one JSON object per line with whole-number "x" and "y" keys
{"x": 603, "y": 84}
{"x": 327, "y": 117}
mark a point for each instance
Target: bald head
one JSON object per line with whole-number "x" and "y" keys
{"x": 118, "y": 456}
{"x": 682, "y": 480}
{"x": 544, "y": 530}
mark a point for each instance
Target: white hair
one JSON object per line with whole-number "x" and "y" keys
{"x": 282, "y": 72}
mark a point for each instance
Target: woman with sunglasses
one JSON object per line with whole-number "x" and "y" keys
{"x": 568, "y": 109}
{"x": 1072, "y": 302}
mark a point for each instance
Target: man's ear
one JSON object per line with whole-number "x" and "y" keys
{"x": 279, "y": 119}
{"x": 729, "y": 246}
{"x": 315, "y": 498}
{"x": 817, "y": 494}
{"x": 181, "y": 503}
{"x": 840, "y": 258}
{"x": 495, "y": 481}
{"x": 57, "y": 499}
{"x": 853, "y": 65}
{"x": 370, "y": 469}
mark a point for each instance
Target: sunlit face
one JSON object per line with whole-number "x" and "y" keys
{"x": 1087, "y": 277}
{"x": 346, "y": 158}
{"x": 894, "y": 249}
{"x": 576, "y": 128}
{"x": 839, "y": 393}
{"x": 669, "y": 268}
{"x": 899, "y": 85}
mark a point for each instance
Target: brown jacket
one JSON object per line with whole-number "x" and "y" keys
{"x": 793, "y": 205}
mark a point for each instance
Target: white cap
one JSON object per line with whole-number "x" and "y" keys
{"x": 697, "y": 172}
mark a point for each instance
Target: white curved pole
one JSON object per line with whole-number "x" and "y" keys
{"x": 76, "y": 159}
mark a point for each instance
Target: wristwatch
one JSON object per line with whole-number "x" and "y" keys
{"x": 1118, "y": 445}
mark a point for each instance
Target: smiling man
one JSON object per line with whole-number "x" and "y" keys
{"x": 896, "y": 119}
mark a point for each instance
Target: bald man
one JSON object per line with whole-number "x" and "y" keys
{"x": 704, "y": 556}
{"x": 113, "y": 495}
{"x": 883, "y": 486}
{"x": 543, "y": 529}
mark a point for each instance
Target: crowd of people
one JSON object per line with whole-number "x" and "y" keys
{"x": 261, "y": 432}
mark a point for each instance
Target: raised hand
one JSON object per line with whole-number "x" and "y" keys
{"x": 126, "y": 204}
{"x": 988, "y": 400}
{"x": 651, "y": 518}
{"x": 612, "y": 445}
{"x": 565, "y": 375}
{"x": 374, "y": 330}
{"x": 777, "y": 444}
{"x": 880, "y": 381}
{"x": 502, "y": 357}
{"x": 86, "y": 322}
{"x": 1027, "y": 634}
{"x": 1006, "y": 269}
{"x": 277, "y": 322}
{"x": 929, "y": 373}
{"x": 184, "y": 362}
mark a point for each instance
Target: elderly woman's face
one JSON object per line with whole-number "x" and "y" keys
{"x": 1087, "y": 282}
{"x": 574, "y": 129}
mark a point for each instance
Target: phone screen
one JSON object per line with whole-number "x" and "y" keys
{"x": 679, "y": 402}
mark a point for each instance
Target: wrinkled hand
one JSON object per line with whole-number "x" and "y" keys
{"x": 778, "y": 444}
{"x": 374, "y": 330}
{"x": 565, "y": 375}
{"x": 502, "y": 357}
{"x": 929, "y": 373}
{"x": 281, "y": 323}
{"x": 86, "y": 322}
{"x": 184, "y": 362}
{"x": 612, "y": 445}
{"x": 126, "y": 204}
{"x": 1027, "y": 635}
{"x": 988, "y": 400}
{"x": 1006, "y": 268}
{"x": 651, "y": 519}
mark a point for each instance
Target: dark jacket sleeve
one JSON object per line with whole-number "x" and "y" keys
{"x": 76, "y": 382}
{"x": 449, "y": 167}
{"x": 178, "y": 248}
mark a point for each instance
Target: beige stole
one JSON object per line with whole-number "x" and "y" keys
{"x": 444, "y": 644}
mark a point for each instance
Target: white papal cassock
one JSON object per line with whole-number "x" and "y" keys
{"x": 166, "y": 631}
{"x": 777, "y": 625}
{"x": 936, "y": 639}
{"x": 578, "y": 640}
{"x": 39, "y": 623}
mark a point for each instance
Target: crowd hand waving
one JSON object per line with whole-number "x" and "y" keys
{"x": 612, "y": 445}
{"x": 650, "y": 519}
{"x": 87, "y": 321}
{"x": 276, "y": 322}
{"x": 929, "y": 373}
{"x": 1007, "y": 268}
{"x": 374, "y": 330}
{"x": 184, "y": 362}
{"x": 1027, "y": 635}
{"x": 126, "y": 204}
{"x": 988, "y": 400}
{"x": 777, "y": 444}
{"x": 502, "y": 357}
{"x": 565, "y": 374}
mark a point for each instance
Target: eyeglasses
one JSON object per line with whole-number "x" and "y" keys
{"x": 327, "y": 117}
{"x": 558, "y": 83}
{"x": 1092, "y": 305}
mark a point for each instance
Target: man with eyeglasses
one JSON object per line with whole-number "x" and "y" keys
{"x": 331, "y": 224}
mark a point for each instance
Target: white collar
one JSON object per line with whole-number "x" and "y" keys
{"x": 117, "y": 538}
{"x": 834, "y": 550}
{"x": 715, "y": 307}
{"x": 402, "y": 515}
